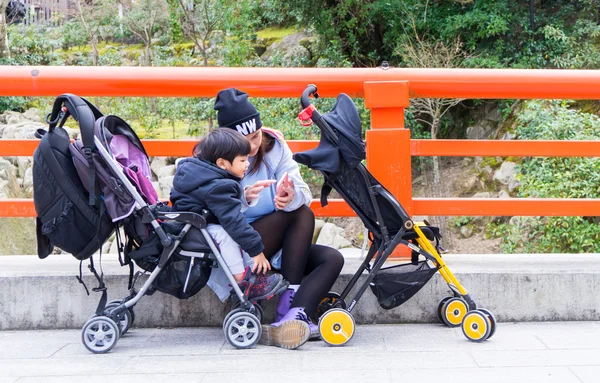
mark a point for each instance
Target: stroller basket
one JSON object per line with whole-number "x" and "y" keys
{"x": 183, "y": 277}
{"x": 395, "y": 285}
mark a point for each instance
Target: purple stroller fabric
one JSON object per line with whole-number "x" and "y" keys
{"x": 135, "y": 165}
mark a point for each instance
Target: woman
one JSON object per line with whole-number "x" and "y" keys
{"x": 280, "y": 213}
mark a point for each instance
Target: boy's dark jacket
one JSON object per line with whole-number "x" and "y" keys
{"x": 199, "y": 185}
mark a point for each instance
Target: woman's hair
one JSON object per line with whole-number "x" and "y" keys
{"x": 266, "y": 145}
{"x": 222, "y": 143}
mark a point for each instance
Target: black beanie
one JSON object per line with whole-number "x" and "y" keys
{"x": 236, "y": 112}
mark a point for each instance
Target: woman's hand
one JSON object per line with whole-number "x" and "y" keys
{"x": 251, "y": 192}
{"x": 286, "y": 196}
{"x": 261, "y": 264}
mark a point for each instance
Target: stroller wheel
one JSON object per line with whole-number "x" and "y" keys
{"x": 124, "y": 319}
{"x": 453, "y": 311}
{"x": 327, "y": 303}
{"x": 119, "y": 301}
{"x": 476, "y": 326}
{"x": 440, "y": 309}
{"x": 492, "y": 319}
{"x": 258, "y": 310}
{"x": 226, "y": 319}
{"x": 100, "y": 334}
{"x": 337, "y": 327}
{"x": 243, "y": 330}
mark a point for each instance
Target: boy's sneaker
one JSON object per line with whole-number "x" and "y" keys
{"x": 291, "y": 332}
{"x": 259, "y": 287}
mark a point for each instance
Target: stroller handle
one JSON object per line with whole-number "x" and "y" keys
{"x": 311, "y": 89}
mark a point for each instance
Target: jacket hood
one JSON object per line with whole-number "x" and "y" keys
{"x": 193, "y": 173}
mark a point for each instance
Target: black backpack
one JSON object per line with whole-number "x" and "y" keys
{"x": 67, "y": 215}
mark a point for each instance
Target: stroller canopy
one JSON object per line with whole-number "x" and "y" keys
{"x": 345, "y": 141}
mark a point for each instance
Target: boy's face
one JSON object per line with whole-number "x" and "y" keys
{"x": 238, "y": 167}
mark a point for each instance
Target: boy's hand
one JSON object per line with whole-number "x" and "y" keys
{"x": 261, "y": 264}
{"x": 251, "y": 192}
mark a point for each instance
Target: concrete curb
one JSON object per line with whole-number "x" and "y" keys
{"x": 44, "y": 294}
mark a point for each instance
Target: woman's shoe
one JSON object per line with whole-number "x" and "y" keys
{"x": 285, "y": 302}
{"x": 291, "y": 332}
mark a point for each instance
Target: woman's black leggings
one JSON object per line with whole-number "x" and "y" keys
{"x": 292, "y": 232}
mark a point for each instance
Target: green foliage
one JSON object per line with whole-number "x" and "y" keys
{"x": 30, "y": 46}
{"x": 73, "y": 34}
{"x": 494, "y": 33}
{"x": 570, "y": 177}
{"x": 175, "y": 14}
{"x": 16, "y": 104}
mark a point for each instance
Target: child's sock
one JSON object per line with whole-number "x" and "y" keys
{"x": 294, "y": 287}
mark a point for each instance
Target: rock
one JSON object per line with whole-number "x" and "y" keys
{"x": 290, "y": 46}
{"x": 156, "y": 186}
{"x": 158, "y": 163}
{"x": 22, "y": 129}
{"x": 494, "y": 115}
{"x": 466, "y": 231}
{"x": 33, "y": 114}
{"x": 506, "y": 173}
{"x": 332, "y": 236}
{"x": 23, "y": 163}
{"x": 166, "y": 183}
{"x": 319, "y": 223}
{"x": 488, "y": 169}
{"x": 28, "y": 178}
{"x": 470, "y": 183}
{"x": 166, "y": 171}
{"x": 479, "y": 132}
{"x": 503, "y": 194}
{"x": 15, "y": 118}
{"x": 3, "y": 189}
{"x": 513, "y": 184}
{"x": 7, "y": 170}
{"x": 482, "y": 195}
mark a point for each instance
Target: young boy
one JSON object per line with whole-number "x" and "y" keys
{"x": 211, "y": 180}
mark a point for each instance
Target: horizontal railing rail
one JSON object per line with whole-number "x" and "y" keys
{"x": 386, "y": 92}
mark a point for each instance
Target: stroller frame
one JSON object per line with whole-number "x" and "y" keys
{"x": 101, "y": 332}
{"x": 336, "y": 324}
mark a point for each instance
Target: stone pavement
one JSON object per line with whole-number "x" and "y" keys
{"x": 405, "y": 353}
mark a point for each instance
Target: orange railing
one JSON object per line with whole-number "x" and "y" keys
{"x": 387, "y": 93}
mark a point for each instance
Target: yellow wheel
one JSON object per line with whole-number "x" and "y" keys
{"x": 453, "y": 311}
{"x": 476, "y": 326}
{"x": 492, "y": 320}
{"x": 336, "y": 327}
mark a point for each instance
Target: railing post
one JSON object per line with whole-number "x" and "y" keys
{"x": 388, "y": 142}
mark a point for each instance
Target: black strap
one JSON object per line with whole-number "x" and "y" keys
{"x": 85, "y": 114}
{"x": 79, "y": 278}
{"x": 124, "y": 258}
{"x": 101, "y": 286}
{"x": 100, "y": 278}
{"x": 325, "y": 191}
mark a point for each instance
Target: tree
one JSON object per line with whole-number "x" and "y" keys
{"x": 200, "y": 19}
{"x": 4, "y": 51}
{"x": 94, "y": 15}
{"x": 144, "y": 18}
{"x": 418, "y": 52}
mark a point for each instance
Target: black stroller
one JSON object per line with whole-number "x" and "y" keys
{"x": 110, "y": 162}
{"x": 339, "y": 157}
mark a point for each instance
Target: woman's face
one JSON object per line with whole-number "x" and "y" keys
{"x": 255, "y": 140}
